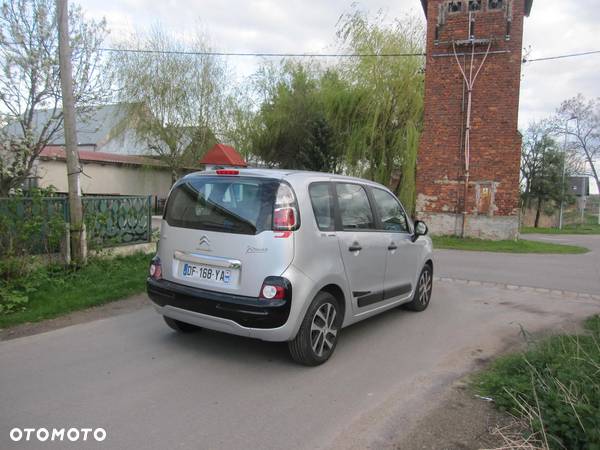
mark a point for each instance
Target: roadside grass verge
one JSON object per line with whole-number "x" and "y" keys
{"x": 518, "y": 246}
{"x": 50, "y": 291}
{"x": 554, "y": 386}
{"x": 568, "y": 229}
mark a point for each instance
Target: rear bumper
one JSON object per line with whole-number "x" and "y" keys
{"x": 244, "y": 316}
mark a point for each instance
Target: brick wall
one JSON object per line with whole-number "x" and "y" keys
{"x": 495, "y": 141}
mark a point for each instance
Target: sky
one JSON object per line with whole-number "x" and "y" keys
{"x": 555, "y": 27}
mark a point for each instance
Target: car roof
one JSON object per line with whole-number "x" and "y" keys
{"x": 296, "y": 175}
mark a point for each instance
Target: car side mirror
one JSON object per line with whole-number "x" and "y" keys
{"x": 420, "y": 229}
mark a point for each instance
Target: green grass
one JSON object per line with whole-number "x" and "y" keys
{"x": 568, "y": 229}
{"x": 518, "y": 246}
{"x": 54, "y": 291}
{"x": 555, "y": 385}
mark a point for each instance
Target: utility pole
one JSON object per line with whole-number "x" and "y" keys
{"x": 76, "y": 225}
{"x": 564, "y": 171}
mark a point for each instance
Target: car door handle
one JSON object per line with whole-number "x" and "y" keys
{"x": 392, "y": 246}
{"x": 355, "y": 247}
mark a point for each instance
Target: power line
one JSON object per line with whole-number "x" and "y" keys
{"x": 569, "y": 55}
{"x": 306, "y": 55}
{"x": 267, "y": 55}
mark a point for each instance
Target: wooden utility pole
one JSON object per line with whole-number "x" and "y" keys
{"x": 76, "y": 226}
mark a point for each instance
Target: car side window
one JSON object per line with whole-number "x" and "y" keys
{"x": 354, "y": 207}
{"x": 322, "y": 204}
{"x": 390, "y": 212}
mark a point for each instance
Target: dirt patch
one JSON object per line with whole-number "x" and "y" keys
{"x": 129, "y": 304}
{"x": 460, "y": 422}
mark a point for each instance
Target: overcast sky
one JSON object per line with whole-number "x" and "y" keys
{"x": 555, "y": 27}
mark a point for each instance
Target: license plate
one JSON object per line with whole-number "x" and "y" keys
{"x": 208, "y": 273}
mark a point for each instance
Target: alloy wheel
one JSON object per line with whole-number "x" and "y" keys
{"x": 425, "y": 285}
{"x": 323, "y": 330}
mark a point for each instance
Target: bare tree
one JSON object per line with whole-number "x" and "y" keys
{"x": 579, "y": 119}
{"x": 30, "y": 92}
{"x": 175, "y": 94}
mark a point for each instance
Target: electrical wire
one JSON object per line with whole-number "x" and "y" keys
{"x": 569, "y": 55}
{"x": 267, "y": 55}
{"x": 305, "y": 55}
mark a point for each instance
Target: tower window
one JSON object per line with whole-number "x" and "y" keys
{"x": 495, "y": 4}
{"x": 474, "y": 5}
{"x": 454, "y": 7}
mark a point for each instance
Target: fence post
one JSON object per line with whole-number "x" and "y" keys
{"x": 149, "y": 218}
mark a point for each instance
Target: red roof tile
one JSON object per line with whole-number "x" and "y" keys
{"x": 57, "y": 152}
{"x": 223, "y": 155}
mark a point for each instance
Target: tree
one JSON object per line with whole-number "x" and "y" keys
{"x": 30, "y": 94}
{"x": 175, "y": 98}
{"x": 361, "y": 116}
{"x": 292, "y": 130}
{"x": 388, "y": 99}
{"x": 579, "y": 119}
{"x": 542, "y": 170}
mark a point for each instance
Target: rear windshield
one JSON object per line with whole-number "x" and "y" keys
{"x": 227, "y": 204}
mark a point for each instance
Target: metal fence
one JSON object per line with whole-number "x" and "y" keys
{"x": 38, "y": 225}
{"x": 118, "y": 220}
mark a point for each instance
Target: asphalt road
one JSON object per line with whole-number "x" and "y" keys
{"x": 576, "y": 273}
{"x": 154, "y": 389}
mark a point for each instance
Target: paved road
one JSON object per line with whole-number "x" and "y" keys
{"x": 151, "y": 388}
{"x": 577, "y": 273}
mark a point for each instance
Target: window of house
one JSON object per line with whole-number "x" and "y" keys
{"x": 454, "y": 7}
{"x": 354, "y": 207}
{"x": 474, "y": 5}
{"x": 495, "y": 4}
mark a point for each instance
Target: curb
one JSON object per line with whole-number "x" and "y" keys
{"x": 514, "y": 287}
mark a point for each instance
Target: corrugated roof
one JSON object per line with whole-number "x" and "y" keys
{"x": 104, "y": 127}
{"x": 223, "y": 155}
{"x": 528, "y": 5}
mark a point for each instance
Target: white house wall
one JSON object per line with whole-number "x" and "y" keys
{"x": 107, "y": 179}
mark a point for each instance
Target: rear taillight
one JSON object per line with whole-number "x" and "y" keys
{"x": 285, "y": 211}
{"x": 275, "y": 288}
{"x": 155, "y": 269}
{"x": 228, "y": 172}
{"x": 284, "y": 219}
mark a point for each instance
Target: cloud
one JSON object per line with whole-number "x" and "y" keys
{"x": 555, "y": 27}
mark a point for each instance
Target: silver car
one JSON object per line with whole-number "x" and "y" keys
{"x": 283, "y": 255}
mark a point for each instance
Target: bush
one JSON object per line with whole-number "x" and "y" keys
{"x": 556, "y": 385}
{"x": 31, "y": 225}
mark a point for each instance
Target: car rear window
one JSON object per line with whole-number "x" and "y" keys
{"x": 227, "y": 204}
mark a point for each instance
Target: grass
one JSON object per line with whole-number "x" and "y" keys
{"x": 53, "y": 291}
{"x": 517, "y": 246}
{"x": 568, "y": 229}
{"x": 554, "y": 385}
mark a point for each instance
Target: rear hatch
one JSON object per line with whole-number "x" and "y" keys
{"x": 217, "y": 233}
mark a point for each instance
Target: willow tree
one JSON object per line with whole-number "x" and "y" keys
{"x": 174, "y": 91}
{"x": 382, "y": 113}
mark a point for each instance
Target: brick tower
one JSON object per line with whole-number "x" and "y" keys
{"x": 469, "y": 154}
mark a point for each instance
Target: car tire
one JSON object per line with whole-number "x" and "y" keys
{"x": 318, "y": 334}
{"x": 423, "y": 291}
{"x": 180, "y": 327}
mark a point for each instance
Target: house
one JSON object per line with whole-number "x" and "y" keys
{"x": 105, "y": 173}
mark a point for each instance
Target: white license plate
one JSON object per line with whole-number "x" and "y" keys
{"x": 208, "y": 273}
